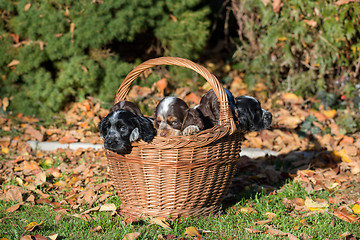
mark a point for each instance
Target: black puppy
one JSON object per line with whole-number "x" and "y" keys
{"x": 121, "y": 127}
{"x": 250, "y": 115}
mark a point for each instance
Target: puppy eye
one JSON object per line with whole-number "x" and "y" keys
{"x": 174, "y": 122}
{"x": 122, "y": 129}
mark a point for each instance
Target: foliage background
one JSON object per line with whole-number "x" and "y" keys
{"x": 55, "y": 52}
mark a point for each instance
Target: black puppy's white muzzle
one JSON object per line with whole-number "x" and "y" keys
{"x": 267, "y": 118}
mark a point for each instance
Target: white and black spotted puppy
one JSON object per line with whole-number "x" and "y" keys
{"x": 121, "y": 127}
{"x": 250, "y": 115}
{"x": 173, "y": 117}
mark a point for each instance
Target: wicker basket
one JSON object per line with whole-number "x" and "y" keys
{"x": 181, "y": 175}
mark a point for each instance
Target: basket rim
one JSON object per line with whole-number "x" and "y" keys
{"x": 226, "y": 117}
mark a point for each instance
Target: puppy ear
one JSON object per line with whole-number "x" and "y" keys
{"x": 134, "y": 135}
{"x": 192, "y": 118}
{"x": 101, "y": 127}
{"x": 146, "y": 128}
{"x": 244, "y": 121}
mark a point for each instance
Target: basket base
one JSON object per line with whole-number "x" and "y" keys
{"x": 172, "y": 213}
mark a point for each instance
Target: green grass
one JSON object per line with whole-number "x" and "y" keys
{"x": 229, "y": 224}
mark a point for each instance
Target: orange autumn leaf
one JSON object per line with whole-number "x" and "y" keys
{"x": 192, "y": 97}
{"x": 329, "y": 113}
{"x": 290, "y": 98}
{"x": 68, "y": 139}
{"x": 343, "y": 155}
{"x": 161, "y": 85}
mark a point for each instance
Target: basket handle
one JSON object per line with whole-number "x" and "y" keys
{"x": 225, "y": 118}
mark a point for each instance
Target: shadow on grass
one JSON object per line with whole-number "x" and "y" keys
{"x": 270, "y": 173}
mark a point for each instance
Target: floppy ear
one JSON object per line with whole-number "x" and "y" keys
{"x": 101, "y": 127}
{"x": 146, "y": 128}
{"x": 244, "y": 120}
{"x": 192, "y": 117}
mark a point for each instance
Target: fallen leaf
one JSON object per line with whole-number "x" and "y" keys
{"x": 27, "y": 6}
{"x": 161, "y": 221}
{"x": 68, "y": 139}
{"x": 343, "y": 214}
{"x": 14, "y": 194}
{"x": 13, "y": 208}
{"x": 161, "y": 85}
{"x": 32, "y": 225}
{"x": 26, "y": 237}
{"x": 53, "y": 236}
{"x": 250, "y": 230}
{"x": 290, "y": 98}
{"x": 247, "y": 210}
{"x": 109, "y": 207}
{"x": 96, "y": 229}
{"x": 131, "y": 236}
{"x": 329, "y": 113}
{"x": 315, "y": 205}
{"x": 13, "y": 63}
{"x": 343, "y": 155}
{"x": 34, "y": 133}
{"x": 39, "y": 237}
{"x": 289, "y": 121}
{"x": 274, "y": 231}
{"x": 356, "y": 208}
{"x": 310, "y": 22}
{"x": 193, "y": 232}
{"x": 342, "y": 2}
{"x": 276, "y": 5}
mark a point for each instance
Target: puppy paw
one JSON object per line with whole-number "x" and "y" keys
{"x": 191, "y": 130}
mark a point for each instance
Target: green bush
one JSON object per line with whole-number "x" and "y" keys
{"x": 304, "y": 47}
{"x": 66, "y": 50}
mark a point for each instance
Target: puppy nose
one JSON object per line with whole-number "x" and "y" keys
{"x": 163, "y": 134}
{"x": 268, "y": 116}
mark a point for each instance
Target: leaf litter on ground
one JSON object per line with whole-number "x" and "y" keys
{"x": 80, "y": 180}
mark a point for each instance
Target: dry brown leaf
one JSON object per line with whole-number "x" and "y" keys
{"x": 289, "y": 121}
{"x": 291, "y": 98}
{"x": 26, "y": 237}
{"x": 13, "y": 63}
{"x": 27, "y": 6}
{"x": 161, "y": 221}
{"x": 68, "y": 139}
{"x": 342, "y": 2}
{"x": 109, "y": 207}
{"x": 14, "y": 194}
{"x": 274, "y": 231}
{"x": 247, "y": 210}
{"x": 250, "y": 230}
{"x": 131, "y": 236}
{"x": 344, "y": 215}
{"x": 34, "y": 133}
{"x": 13, "y": 208}
{"x": 39, "y": 237}
{"x": 96, "y": 229}
{"x": 263, "y": 222}
{"x": 310, "y": 22}
{"x": 276, "y": 5}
